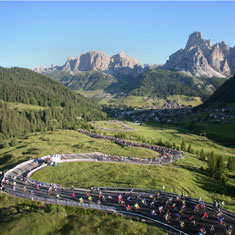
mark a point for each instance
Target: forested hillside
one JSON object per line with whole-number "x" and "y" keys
{"x": 162, "y": 83}
{"x": 151, "y": 83}
{"x": 63, "y": 108}
{"x": 91, "y": 80}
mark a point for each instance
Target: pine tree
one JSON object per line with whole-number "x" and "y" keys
{"x": 190, "y": 150}
{"x": 183, "y": 146}
{"x": 231, "y": 164}
{"x": 202, "y": 155}
{"x": 212, "y": 164}
{"x": 219, "y": 169}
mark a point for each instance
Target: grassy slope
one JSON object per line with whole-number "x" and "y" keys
{"x": 18, "y": 215}
{"x": 21, "y": 106}
{"x": 110, "y": 125}
{"x": 139, "y": 101}
{"x": 186, "y": 100}
{"x": 63, "y": 141}
{"x": 176, "y": 135}
{"x": 223, "y": 133}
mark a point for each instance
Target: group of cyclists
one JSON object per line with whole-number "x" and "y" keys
{"x": 172, "y": 210}
{"x": 166, "y": 153}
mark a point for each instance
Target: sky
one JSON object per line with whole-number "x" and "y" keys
{"x": 45, "y": 33}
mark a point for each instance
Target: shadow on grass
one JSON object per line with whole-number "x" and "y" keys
{"x": 22, "y": 146}
{"x": 209, "y": 184}
{"x": 4, "y": 159}
{"x": 12, "y": 165}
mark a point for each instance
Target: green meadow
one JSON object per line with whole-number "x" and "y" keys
{"x": 154, "y": 132}
{"x": 19, "y": 216}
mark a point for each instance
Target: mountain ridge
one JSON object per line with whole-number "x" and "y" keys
{"x": 117, "y": 65}
{"x": 201, "y": 58}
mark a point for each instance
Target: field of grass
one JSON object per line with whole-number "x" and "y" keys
{"x": 132, "y": 101}
{"x": 186, "y": 100}
{"x": 21, "y": 106}
{"x": 63, "y": 141}
{"x": 110, "y": 125}
{"x": 89, "y": 93}
{"x": 175, "y": 135}
{"x": 141, "y": 101}
{"x": 19, "y": 216}
{"x": 225, "y": 132}
{"x": 220, "y": 132}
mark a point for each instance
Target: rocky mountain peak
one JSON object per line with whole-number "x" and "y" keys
{"x": 71, "y": 58}
{"x": 201, "y": 58}
{"x": 195, "y": 40}
{"x": 120, "y": 64}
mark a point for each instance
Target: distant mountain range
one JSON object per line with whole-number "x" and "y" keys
{"x": 199, "y": 58}
{"x": 118, "y": 65}
{"x": 198, "y": 69}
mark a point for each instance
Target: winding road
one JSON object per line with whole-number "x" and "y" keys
{"x": 177, "y": 213}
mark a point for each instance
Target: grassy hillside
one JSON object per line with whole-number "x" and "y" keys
{"x": 22, "y": 216}
{"x": 215, "y": 117}
{"x": 91, "y": 80}
{"x": 142, "y": 101}
{"x": 173, "y": 134}
{"x": 23, "y": 107}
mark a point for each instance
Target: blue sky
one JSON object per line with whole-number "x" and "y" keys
{"x": 42, "y": 33}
